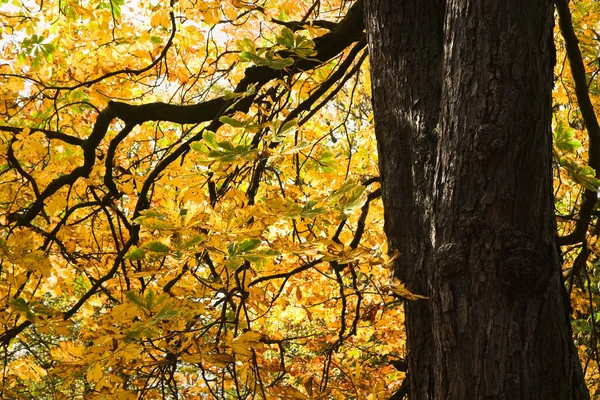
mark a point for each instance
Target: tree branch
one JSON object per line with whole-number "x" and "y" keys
{"x": 49, "y": 134}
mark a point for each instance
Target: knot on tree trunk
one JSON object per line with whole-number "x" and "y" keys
{"x": 520, "y": 262}
{"x": 489, "y": 140}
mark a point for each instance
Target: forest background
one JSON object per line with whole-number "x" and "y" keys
{"x": 190, "y": 204}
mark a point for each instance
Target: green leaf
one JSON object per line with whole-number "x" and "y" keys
{"x": 135, "y": 299}
{"x": 297, "y": 44}
{"x": 141, "y": 330}
{"x": 243, "y": 247}
{"x": 350, "y": 196}
{"x": 157, "y": 247}
{"x": 196, "y": 240}
{"x": 327, "y": 162}
{"x": 199, "y": 147}
{"x": 116, "y": 7}
{"x": 19, "y": 305}
{"x": 274, "y": 62}
{"x": 286, "y": 38}
{"x": 582, "y": 174}
{"x": 564, "y": 139}
{"x": 150, "y": 299}
{"x": 250, "y": 57}
{"x": 345, "y": 187}
{"x": 232, "y": 249}
{"x": 227, "y": 145}
{"x": 166, "y": 312}
{"x": 233, "y": 122}
{"x": 248, "y": 245}
{"x": 136, "y": 254}
{"x": 288, "y": 127}
{"x": 310, "y": 211}
{"x": 247, "y": 45}
{"x": 299, "y": 147}
{"x": 153, "y": 223}
{"x": 253, "y": 258}
{"x": 48, "y": 47}
{"x": 279, "y": 63}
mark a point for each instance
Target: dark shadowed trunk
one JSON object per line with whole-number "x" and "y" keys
{"x": 462, "y": 100}
{"x": 406, "y": 95}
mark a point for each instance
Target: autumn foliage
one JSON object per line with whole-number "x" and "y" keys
{"x": 189, "y": 202}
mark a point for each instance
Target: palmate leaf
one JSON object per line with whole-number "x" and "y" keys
{"x": 296, "y": 43}
{"x": 564, "y": 139}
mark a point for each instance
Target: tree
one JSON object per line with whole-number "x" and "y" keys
{"x": 462, "y": 102}
{"x": 190, "y": 202}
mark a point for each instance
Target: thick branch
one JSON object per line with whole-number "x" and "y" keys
{"x": 299, "y": 25}
{"x": 89, "y": 154}
{"x": 348, "y": 31}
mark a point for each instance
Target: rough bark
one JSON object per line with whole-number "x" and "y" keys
{"x": 406, "y": 61}
{"x": 462, "y": 101}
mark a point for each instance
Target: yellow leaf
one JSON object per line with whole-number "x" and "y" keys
{"x": 145, "y": 273}
{"x": 192, "y": 358}
{"x": 94, "y": 374}
{"x": 28, "y": 370}
{"x": 293, "y": 393}
{"x": 125, "y": 395}
{"x": 399, "y": 289}
{"x": 219, "y": 360}
{"x": 71, "y": 246}
{"x": 231, "y": 13}
{"x": 243, "y": 344}
{"x": 211, "y": 16}
{"x": 160, "y": 18}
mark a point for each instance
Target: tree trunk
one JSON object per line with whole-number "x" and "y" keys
{"x": 406, "y": 95}
{"x": 462, "y": 102}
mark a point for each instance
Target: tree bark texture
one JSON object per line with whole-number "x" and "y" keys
{"x": 462, "y": 102}
{"x": 406, "y": 62}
